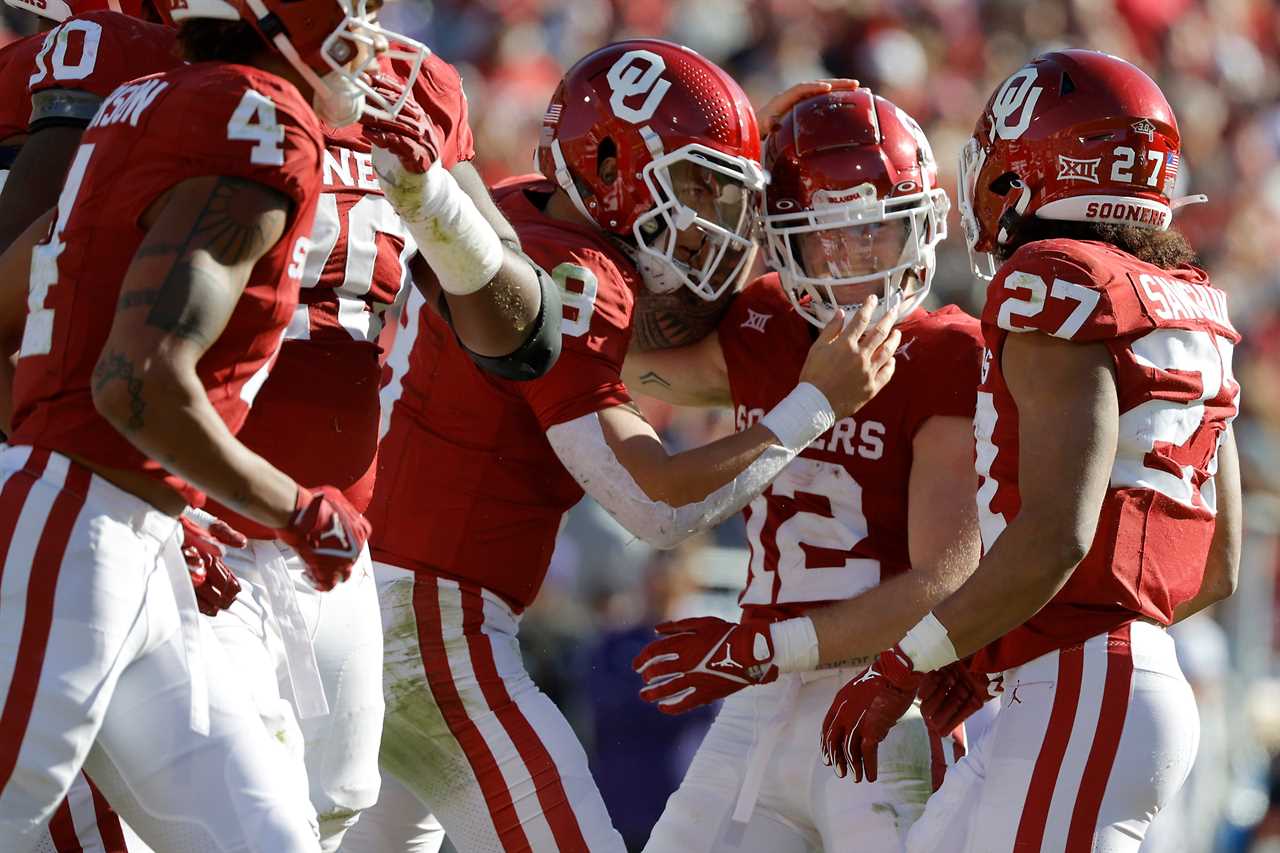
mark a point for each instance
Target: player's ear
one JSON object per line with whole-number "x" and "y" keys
{"x": 607, "y": 161}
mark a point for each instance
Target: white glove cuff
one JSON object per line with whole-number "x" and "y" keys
{"x": 795, "y": 644}
{"x": 452, "y": 234}
{"x": 800, "y": 417}
{"x": 928, "y": 645}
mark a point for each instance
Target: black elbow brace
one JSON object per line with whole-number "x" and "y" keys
{"x": 533, "y": 358}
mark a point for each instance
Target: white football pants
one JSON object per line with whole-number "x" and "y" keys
{"x": 105, "y": 664}
{"x": 313, "y": 663}
{"x": 761, "y": 758}
{"x": 1090, "y": 743}
{"x": 470, "y": 735}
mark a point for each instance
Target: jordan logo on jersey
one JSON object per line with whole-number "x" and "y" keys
{"x": 755, "y": 320}
{"x": 903, "y": 349}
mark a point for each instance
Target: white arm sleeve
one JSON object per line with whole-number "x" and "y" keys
{"x": 586, "y": 455}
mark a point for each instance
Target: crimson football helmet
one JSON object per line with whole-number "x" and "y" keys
{"x": 320, "y": 38}
{"x": 60, "y": 10}
{"x": 1076, "y": 135}
{"x": 852, "y": 199}
{"x": 684, "y": 138}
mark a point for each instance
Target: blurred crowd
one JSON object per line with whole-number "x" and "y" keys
{"x": 1218, "y": 61}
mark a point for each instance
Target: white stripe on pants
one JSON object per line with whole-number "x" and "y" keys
{"x": 1089, "y": 744}
{"x": 94, "y": 672}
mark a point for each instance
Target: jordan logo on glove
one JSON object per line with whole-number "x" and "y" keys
{"x": 726, "y": 662}
{"x": 338, "y": 532}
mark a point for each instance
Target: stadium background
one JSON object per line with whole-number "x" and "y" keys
{"x": 1219, "y": 63}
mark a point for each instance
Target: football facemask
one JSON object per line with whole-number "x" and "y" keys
{"x": 828, "y": 257}
{"x": 698, "y": 233}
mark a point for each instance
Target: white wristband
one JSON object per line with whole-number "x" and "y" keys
{"x": 452, "y": 234}
{"x": 928, "y": 645}
{"x": 795, "y": 644}
{"x": 800, "y": 417}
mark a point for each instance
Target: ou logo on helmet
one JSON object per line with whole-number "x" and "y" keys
{"x": 629, "y": 79}
{"x": 1015, "y": 104}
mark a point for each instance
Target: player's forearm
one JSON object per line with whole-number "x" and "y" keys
{"x": 496, "y": 319}
{"x": 853, "y": 631}
{"x": 692, "y": 475}
{"x": 168, "y": 417}
{"x": 1033, "y": 559}
{"x": 1222, "y": 567}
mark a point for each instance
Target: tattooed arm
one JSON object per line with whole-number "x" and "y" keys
{"x": 686, "y": 376}
{"x": 184, "y": 282}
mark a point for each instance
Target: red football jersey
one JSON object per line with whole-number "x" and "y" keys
{"x": 1171, "y": 341}
{"x": 17, "y": 60}
{"x": 469, "y": 487}
{"x": 834, "y": 522}
{"x": 317, "y": 416}
{"x": 97, "y": 51}
{"x": 149, "y": 135}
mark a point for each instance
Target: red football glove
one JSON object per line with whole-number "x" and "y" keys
{"x": 864, "y": 711}
{"x": 700, "y": 660}
{"x": 203, "y": 549}
{"x": 410, "y": 136}
{"x": 951, "y": 695}
{"x": 328, "y": 533}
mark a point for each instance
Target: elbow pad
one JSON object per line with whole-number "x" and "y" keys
{"x": 580, "y": 444}
{"x": 62, "y": 108}
{"x": 538, "y": 354}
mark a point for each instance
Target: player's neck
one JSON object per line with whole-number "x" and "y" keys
{"x": 274, "y": 63}
{"x": 560, "y": 206}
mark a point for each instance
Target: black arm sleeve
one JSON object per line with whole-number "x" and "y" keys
{"x": 538, "y": 354}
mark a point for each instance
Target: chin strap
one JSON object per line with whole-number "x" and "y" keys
{"x": 1187, "y": 201}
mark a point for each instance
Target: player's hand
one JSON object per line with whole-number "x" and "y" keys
{"x": 700, "y": 660}
{"x": 771, "y": 114}
{"x": 850, "y": 362}
{"x": 864, "y": 711}
{"x": 951, "y": 695}
{"x": 203, "y": 547}
{"x": 328, "y": 533}
{"x": 410, "y": 138}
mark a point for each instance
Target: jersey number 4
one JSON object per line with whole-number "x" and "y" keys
{"x": 253, "y": 119}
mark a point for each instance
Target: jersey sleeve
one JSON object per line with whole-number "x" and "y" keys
{"x": 438, "y": 91}
{"x": 235, "y": 125}
{"x": 1046, "y": 288}
{"x": 596, "y": 330}
{"x": 85, "y": 58}
{"x": 945, "y": 371}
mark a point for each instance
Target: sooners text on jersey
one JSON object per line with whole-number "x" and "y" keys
{"x": 834, "y": 522}
{"x": 470, "y": 488}
{"x": 1171, "y": 342}
{"x": 148, "y": 136}
{"x": 317, "y": 416}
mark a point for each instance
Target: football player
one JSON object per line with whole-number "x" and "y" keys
{"x": 317, "y": 415}
{"x": 51, "y": 83}
{"x": 649, "y": 161}
{"x": 158, "y": 294}
{"x": 1109, "y": 494}
{"x": 879, "y": 510}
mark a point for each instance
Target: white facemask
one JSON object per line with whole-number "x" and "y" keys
{"x": 339, "y": 102}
